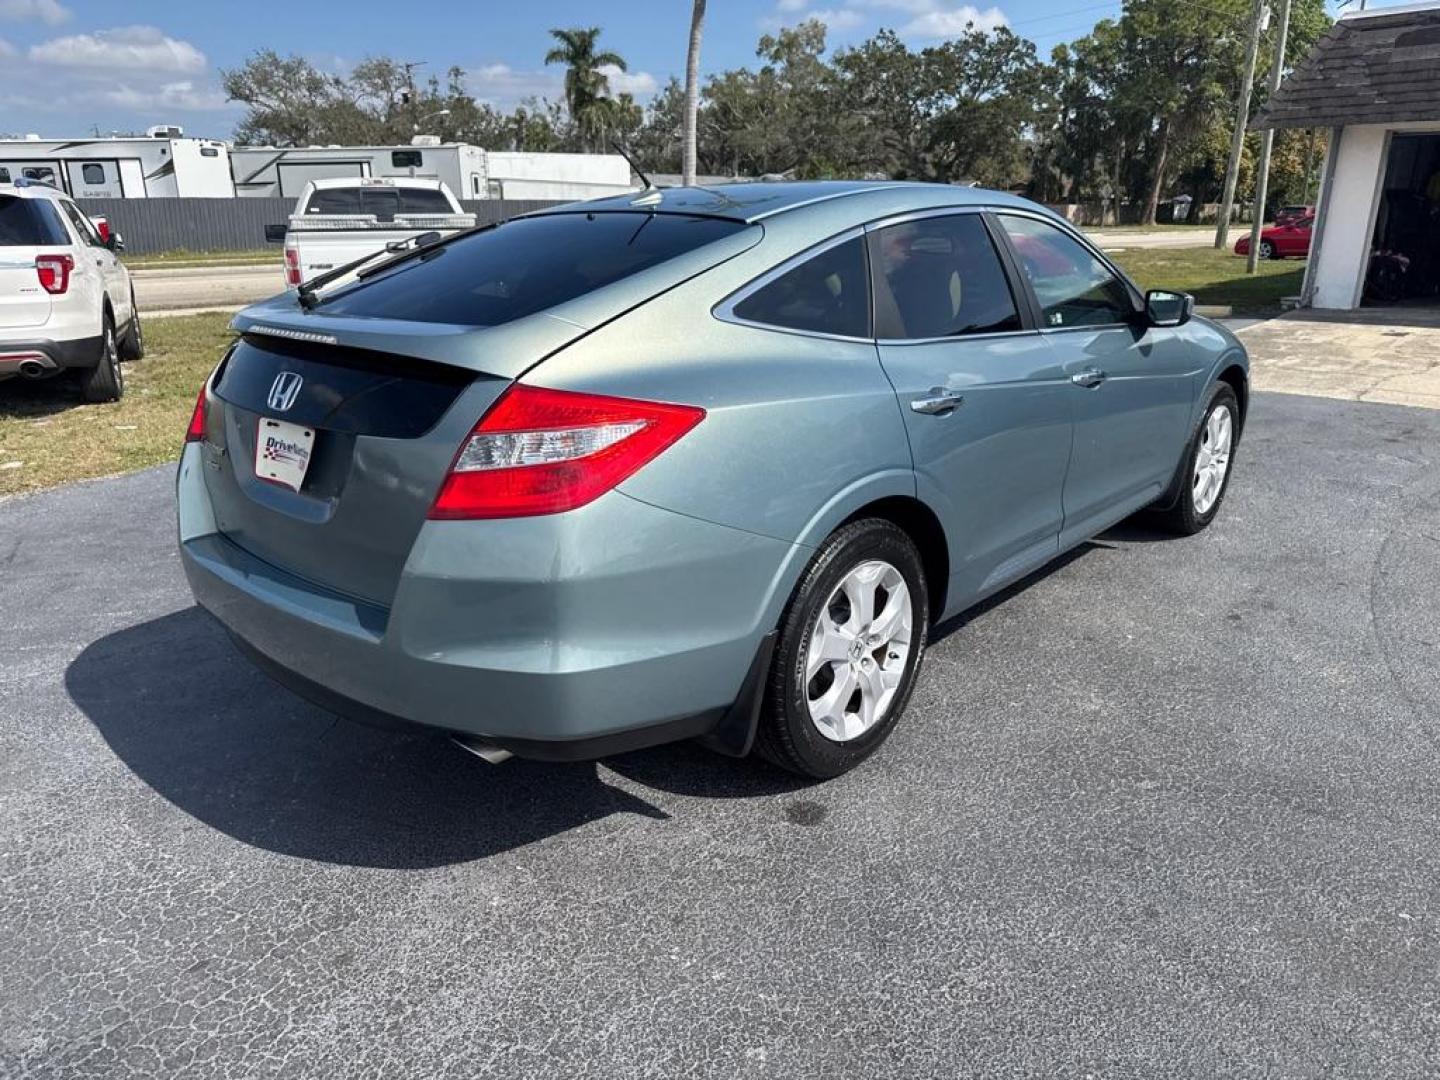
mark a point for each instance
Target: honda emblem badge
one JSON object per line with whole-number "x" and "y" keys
{"x": 284, "y": 390}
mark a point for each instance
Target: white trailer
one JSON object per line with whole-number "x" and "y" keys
{"x": 270, "y": 171}
{"x": 468, "y": 171}
{"x": 166, "y": 165}
{"x": 520, "y": 175}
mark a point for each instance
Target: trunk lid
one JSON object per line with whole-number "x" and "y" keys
{"x": 386, "y": 430}
{"x": 22, "y": 301}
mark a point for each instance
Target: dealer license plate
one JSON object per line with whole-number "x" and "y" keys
{"x": 282, "y": 452}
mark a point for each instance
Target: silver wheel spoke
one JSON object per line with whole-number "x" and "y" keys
{"x": 867, "y": 653}
{"x": 829, "y": 644}
{"x": 1212, "y": 459}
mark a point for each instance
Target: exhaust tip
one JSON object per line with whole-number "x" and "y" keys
{"x": 487, "y": 752}
{"x": 32, "y": 369}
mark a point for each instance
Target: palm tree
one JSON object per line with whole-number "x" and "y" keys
{"x": 586, "y": 88}
{"x": 692, "y": 93}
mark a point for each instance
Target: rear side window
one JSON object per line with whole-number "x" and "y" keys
{"x": 825, "y": 294}
{"x": 1073, "y": 286}
{"x": 29, "y": 223}
{"x": 940, "y": 277}
{"x": 524, "y": 266}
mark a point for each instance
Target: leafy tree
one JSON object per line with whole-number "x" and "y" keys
{"x": 587, "y": 90}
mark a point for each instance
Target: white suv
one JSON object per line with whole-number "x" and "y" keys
{"x": 65, "y": 300}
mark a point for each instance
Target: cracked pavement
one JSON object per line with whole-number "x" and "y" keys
{"x": 1168, "y": 809}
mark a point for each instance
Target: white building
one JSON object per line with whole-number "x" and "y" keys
{"x": 163, "y": 164}
{"x": 1374, "y": 81}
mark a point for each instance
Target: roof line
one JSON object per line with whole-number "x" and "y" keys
{"x": 822, "y": 198}
{"x": 1375, "y": 13}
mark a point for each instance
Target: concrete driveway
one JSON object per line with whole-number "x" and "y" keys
{"x": 183, "y": 289}
{"x": 1172, "y": 808}
{"x": 1387, "y": 355}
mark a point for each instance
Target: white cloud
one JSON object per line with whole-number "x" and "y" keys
{"x": 639, "y": 83}
{"x": 503, "y": 87}
{"x": 920, "y": 20}
{"x": 50, "y": 12}
{"x": 126, "y": 48}
{"x": 6, "y": 49}
{"x": 947, "y": 22}
{"x": 183, "y": 95}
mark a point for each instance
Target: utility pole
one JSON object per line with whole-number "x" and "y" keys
{"x": 1242, "y": 117}
{"x": 1267, "y": 141}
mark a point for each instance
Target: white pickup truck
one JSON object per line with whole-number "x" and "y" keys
{"x": 341, "y": 220}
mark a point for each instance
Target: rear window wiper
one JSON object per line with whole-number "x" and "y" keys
{"x": 424, "y": 242}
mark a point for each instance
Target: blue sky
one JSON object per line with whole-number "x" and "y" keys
{"x": 70, "y": 65}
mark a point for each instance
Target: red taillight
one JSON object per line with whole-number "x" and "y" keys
{"x": 54, "y": 272}
{"x": 546, "y": 451}
{"x": 292, "y": 266}
{"x": 196, "y": 431}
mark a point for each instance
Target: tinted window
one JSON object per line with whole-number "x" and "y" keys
{"x": 4, "y": 175}
{"x": 406, "y": 159}
{"x": 83, "y": 228}
{"x": 382, "y": 202}
{"x": 423, "y": 201}
{"x": 92, "y": 173}
{"x": 42, "y": 173}
{"x": 940, "y": 277}
{"x": 29, "y": 223}
{"x": 825, "y": 294}
{"x": 334, "y": 201}
{"x": 1073, "y": 286}
{"x": 525, "y": 266}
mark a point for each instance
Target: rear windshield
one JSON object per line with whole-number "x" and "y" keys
{"x": 29, "y": 223}
{"x": 383, "y": 202}
{"x": 525, "y": 266}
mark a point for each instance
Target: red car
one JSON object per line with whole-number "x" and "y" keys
{"x": 1281, "y": 240}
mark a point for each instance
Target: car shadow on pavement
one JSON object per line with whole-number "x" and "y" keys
{"x": 207, "y": 731}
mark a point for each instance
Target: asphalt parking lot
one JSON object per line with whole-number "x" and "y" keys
{"x": 1168, "y": 809}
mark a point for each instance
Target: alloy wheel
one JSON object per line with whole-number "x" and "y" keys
{"x": 859, "y": 645}
{"x": 1212, "y": 459}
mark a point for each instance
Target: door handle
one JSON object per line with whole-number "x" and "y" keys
{"x": 939, "y": 403}
{"x": 1089, "y": 378}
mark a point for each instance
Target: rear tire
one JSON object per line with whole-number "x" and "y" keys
{"x": 1205, "y": 476}
{"x": 132, "y": 345}
{"x": 105, "y": 381}
{"x": 828, "y": 708}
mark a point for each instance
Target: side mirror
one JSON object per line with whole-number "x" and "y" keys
{"x": 116, "y": 242}
{"x": 1165, "y": 308}
{"x": 275, "y": 234}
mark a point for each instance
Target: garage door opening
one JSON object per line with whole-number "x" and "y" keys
{"x": 1405, "y": 252}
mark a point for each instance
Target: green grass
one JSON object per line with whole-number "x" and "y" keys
{"x": 182, "y": 258}
{"x": 49, "y": 436}
{"x": 1214, "y": 277}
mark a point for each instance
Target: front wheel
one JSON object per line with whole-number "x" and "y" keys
{"x": 132, "y": 345}
{"x": 105, "y": 381}
{"x": 1205, "y": 474}
{"x": 1267, "y": 249}
{"x": 849, "y": 651}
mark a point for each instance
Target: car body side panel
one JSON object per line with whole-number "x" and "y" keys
{"x": 792, "y": 420}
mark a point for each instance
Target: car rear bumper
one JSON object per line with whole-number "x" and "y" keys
{"x": 568, "y": 636}
{"x": 51, "y": 355}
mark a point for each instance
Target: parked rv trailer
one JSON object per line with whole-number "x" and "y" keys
{"x": 470, "y": 172}
{"x": 519, "y": 175}
{"x": 269, "y": 171}
{"x": 139, "y": 167}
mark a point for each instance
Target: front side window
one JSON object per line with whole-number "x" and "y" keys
{"x": 1073, "y": 286}
{"x": 940, "y": 277}
{"x": 825, "y": 294}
